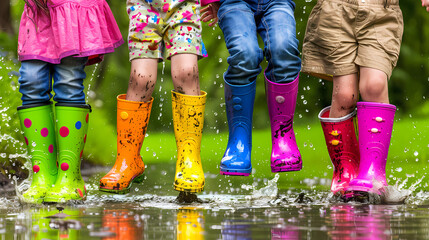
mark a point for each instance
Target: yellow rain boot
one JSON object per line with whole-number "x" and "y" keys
{"x": 132, "y": 121}
{"x": 188, "y": 118}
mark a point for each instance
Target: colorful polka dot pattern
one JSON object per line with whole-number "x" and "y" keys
{"x": 64, "y": 131}
{"x": 65, "y": 166}
{"x": 27, "y": 123}
{"x": 78, "y": 125}
{"x": 51, "y": 148}
{"x": 163, "y": 28}
{"x": 44, "y": 132}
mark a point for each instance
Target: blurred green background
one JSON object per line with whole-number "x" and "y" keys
{"x": 408, "y": 89}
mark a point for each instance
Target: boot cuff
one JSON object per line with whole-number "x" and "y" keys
{"x": 375, "y": 105}
{"x": 132, "y": 105}
{"x": 237, "y": 90}
{"x": 189, "y": 99}
{"x": 75, "y": 105}
{"x": 33, "y": 105}
{"x": 281, "y": 87}
{"x": 324, "y": 116}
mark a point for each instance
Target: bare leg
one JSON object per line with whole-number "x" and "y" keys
{"x": 344, "y": 95}
{"x": 142, "y": 79}
{"x": 373, "y": 85}
{"x": 184, "y": 71}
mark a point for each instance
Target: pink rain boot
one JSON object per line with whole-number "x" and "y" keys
{"x": 281, "y": 99}
{"x": 342, "y": 146}
{"x": 375, "y": 122}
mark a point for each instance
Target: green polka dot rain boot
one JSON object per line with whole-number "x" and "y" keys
{"x": 72, "y": 126}
{"x": 37, "y": 123}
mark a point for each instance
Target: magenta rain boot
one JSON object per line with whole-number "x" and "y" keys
{"x": 281, "y": 99}
{"x": 375, "y": 122}
{"x": 342, "y": 146}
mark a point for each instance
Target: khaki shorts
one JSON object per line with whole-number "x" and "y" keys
{"x": 343, "y": 35}
{"x": 162, "y": 28}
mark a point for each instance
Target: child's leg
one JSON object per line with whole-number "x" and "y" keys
{"x": 373, "y": 85}
{"x": 344, "y": 95}
{"x": 278, "y": 31}
{"x": 188, "y": 119}
{"x": 72, "y": 115}
{"x": 68, "y": 80}
{"x": 35, "y": 82}
{"x": 375, "y": 122}
{"x": 37, "y": 123}
{"x": 133, "y": 113}
{"x": 338, "y": 128}
{"x": 142, "y": 79}
{"x": 277, "y": 28}
{"x": 184, "y": 72}
{"x": 237, "y": 22}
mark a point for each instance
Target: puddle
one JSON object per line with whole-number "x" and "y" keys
{"x": 254, "y": 209}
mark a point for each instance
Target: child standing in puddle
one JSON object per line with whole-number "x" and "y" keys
{"x": 355, "y": 44}
{"x": 160, "y": 30}
{"x": 57, "y": 38}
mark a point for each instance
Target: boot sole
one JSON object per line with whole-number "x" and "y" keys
{"x": 361, "y": 197}
{"x": 245, "y": 174}
{"x": 191, "y": 190}
{"x": 286, "y": 168}
{"x": 138, "y": 179}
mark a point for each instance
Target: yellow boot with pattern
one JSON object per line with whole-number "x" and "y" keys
{"x": 188, "y": 118}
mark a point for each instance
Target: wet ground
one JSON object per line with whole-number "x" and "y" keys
{"x": 237, "y": 208}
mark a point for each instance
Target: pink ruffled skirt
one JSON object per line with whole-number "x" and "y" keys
{"x": 80, "y": 28}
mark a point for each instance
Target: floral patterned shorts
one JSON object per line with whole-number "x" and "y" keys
{"x": 162, "y": 28}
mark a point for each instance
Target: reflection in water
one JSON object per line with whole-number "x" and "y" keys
{"x": 121, "y": 225}
{"x": 286, "y": 232}
{"x": 55, "y": 224}
{"x": 190, "y": 224}
{"x": 236, "y": 229}
{"x": 129, "y": 220}
{"x": 359, "y": 222}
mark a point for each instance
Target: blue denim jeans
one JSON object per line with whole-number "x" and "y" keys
{"x": 36, "y": 81}
{"x": 274, "y": 21}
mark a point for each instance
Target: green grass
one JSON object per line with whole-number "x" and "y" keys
{"x": 11, "y": 140}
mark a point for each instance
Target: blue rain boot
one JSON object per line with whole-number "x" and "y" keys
{"x": 239, "y": 101}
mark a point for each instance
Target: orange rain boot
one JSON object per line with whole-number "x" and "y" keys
{"x": 132, "y": 121}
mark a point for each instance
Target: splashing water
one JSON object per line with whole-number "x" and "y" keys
{"x": 397, "y": 194}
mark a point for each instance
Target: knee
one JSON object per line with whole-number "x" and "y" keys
{"x": 285, "y": 49}
{"x": 373, "y": 88}
{"x": 185, "y": 72}
{"x": 247, "y": 56}
{"x": 33, "y": 89}
{"x": 139, "y": 79}
{"x": 346, "y": 98}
